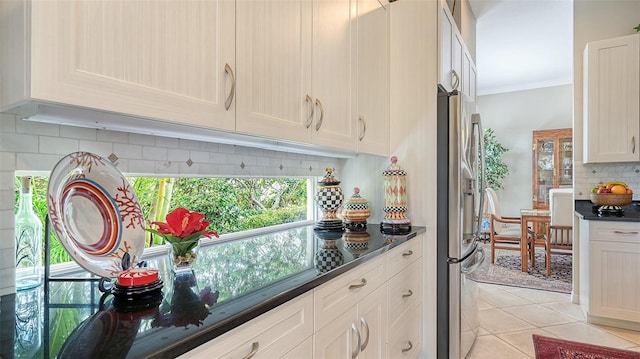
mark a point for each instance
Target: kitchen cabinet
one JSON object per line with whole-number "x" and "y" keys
{"x": 611, "y": 107}
{"x": 404, "y": 293}
{"x": 457, "y": 70}
{"x": 170, "y": 61}
{"x": 359, "y": 332}
{"x": 609, "y": 272}
{"x": 450, "y": 45}
{"x": 295, "y": 69}
{"x": 552, "y": 163}
{"x": 372, "y": 99}
{"x": 283, "y": 332}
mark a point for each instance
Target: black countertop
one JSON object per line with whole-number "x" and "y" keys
{"x": 585, "y": 209}
{"x": 251, "y": 275}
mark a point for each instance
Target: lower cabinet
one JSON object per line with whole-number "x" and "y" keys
{"x": 359, "y": 332}
{"x": 283, "y": 332}
{"x": 364, "y": 313}
{"x": 611, "y": 273}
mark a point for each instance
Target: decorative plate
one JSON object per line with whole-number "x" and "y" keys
{"x": 96, "y": 214}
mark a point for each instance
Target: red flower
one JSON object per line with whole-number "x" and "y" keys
{"x": 182, "y": 223}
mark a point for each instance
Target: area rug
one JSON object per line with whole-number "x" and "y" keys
{"x": 507, "y": 271}
{"x": 552, "y": 348}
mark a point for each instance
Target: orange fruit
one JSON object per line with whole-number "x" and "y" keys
{"x": 629, "y": 191}
{"x": 618, "y": 189}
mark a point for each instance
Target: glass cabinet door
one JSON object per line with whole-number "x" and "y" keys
{"x": 566, "y": 162}
{"x": 545, "y": 174}
{"x": 552, "y": 163}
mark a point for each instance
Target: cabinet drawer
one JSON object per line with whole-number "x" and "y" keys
{"x": 615, "y": 231}
{"x": 405, "y": 334}
{"x": 405, "y": 289}
{"x": 400, "y": 257}
{"x": 334, "y": 297}
{"x": 276, "y": 332}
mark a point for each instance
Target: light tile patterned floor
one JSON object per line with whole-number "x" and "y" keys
{"x": 509, "y": 316}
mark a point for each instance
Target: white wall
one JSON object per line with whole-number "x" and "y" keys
{"x": 597, "y": 20}
{"x": 29, "y": 146}
{"x": 514, "y": 116}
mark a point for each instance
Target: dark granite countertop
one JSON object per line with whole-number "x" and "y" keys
{"x": 585, "y": 209}
{"x": 251, "y": 275}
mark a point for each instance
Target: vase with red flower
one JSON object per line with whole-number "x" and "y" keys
{"x": 183, "y": 231}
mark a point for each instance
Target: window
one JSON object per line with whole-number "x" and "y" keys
{"x": 230, "y": 204}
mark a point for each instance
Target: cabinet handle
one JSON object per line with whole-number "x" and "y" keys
{"x": 404, "y": 350}
{"x": 363, "y": 282}
{"x": 456, "y": 79}
{"x": 633, "y": 144}
{"x": 232, "y": 93}
{"x": 366, "y": 340}
{"x": 355, "y": 353}
{"x": 625, "y": 233}
{"x": 407, "y": 253}
{"x": 364, "y": 128}
{"x": 319, "y": 104}
{"x": 409, "y": 293}
{"x": 254, "y": 350}
{"x": 311, "y": 108}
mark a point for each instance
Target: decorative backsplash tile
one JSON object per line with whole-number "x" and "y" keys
{"x": 37, "y": 147}
{"x": 588, "y": 176}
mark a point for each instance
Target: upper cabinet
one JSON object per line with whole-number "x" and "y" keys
{"x": 169, "y": 60}
{"x": 611, "y": 107}
{"x": 372, "y": 100}
{"x": 295, "y": 64}
{"x": 457, "y": 70}
{"x": 294, "y": 72}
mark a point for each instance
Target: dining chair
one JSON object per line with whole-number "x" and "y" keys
{"x": 504, "y": 231}
{"x": 559, "y": 237}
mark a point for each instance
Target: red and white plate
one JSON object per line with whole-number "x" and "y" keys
{"x": 95, "y": 213}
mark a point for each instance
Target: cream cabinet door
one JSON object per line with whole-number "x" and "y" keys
{"x": 372, "y": 99}
{"x": 339, "y": 339}
{"x": 611, "y": 106}
{"x": 166, "y": 60}
{"x": 274, "y": 69}
{"x": 450, "y": 46}
{"x": 332, "y": 74}
{"x": 372, "y": 325}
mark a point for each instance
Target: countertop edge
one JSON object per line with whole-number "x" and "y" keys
{"x": 201, "y": 337}
{"x": 583, "y": 210}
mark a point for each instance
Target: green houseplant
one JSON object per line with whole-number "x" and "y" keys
{"x": 496, "y": 169}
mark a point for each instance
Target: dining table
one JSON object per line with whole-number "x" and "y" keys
{"x": 539, "y": 218}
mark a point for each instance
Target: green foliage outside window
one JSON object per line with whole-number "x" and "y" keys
{"x": 230, "y": 204}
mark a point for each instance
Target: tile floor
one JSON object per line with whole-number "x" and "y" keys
{"x": 509, "y": 315}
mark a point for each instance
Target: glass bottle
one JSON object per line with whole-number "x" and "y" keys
{"x": 28, "y": 231}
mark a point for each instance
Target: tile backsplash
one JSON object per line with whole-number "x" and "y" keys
{"x": 30, "y": 147}
{"x": 588, "y": 176}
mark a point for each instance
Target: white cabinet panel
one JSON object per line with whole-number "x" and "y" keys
{"x": 611, "y": 106}
{"x": 405, "y": 334}
{"x": 372, "y": 100}
{"x": 169, "y": 60}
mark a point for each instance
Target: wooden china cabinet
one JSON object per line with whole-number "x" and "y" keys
{"x": 552, "y": 163}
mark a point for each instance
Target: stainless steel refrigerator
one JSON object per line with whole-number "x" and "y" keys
{"x": 460, "y": 199}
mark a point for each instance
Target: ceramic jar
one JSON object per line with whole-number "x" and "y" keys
{"x": 395, "y": 199}
{"x": 329, "y": 198}
{"x": 356, "y": 211}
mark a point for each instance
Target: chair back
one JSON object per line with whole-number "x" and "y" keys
{"x": 492, "y": 202}
{"x": 561, "y": 206}
{"x": 493, "y": 206}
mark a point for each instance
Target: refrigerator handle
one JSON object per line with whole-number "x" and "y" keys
{"x": 477, "y": 121}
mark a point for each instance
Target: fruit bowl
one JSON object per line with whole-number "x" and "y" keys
{"x": 609, "y": 199}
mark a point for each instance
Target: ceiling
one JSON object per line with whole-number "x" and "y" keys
{"x": 523, "y": 44}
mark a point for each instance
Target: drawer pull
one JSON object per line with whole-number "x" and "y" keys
{"x": 407, "y": 253}
{"x": 363, "y": 282}
{"x": 626, "y": 233}
{"x": 232, "y": 92}
{"x": 409, "y": 293}
{"x": 404, "y": 350}
{"x": 254, "y": 350}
